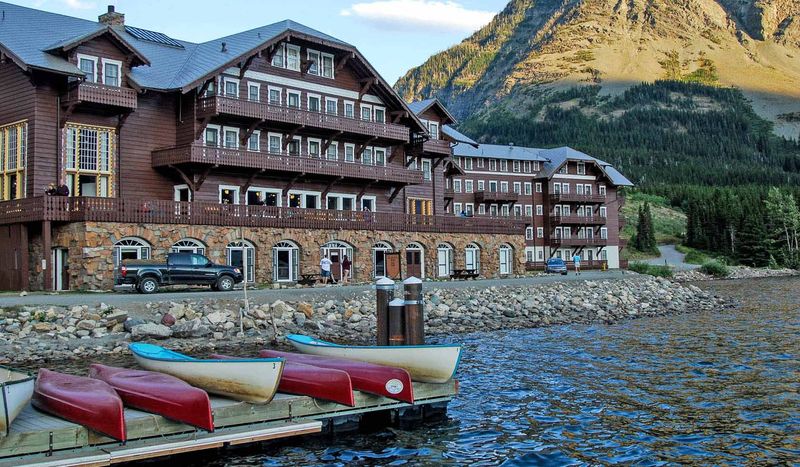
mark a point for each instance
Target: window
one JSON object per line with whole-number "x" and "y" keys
{"x": 493, "y": 186}
{"x": 528, "y": 188}
{"x": 231, "y": 137}
{"x": 467, "y": 163}
{"x": 536, "y": 166}
{"x": 253, "y": 92}
{"x": 603, "y": 211}
{"x": 433, "y": 129}
{"x": 293, "y": 148}
{"x": 13, "y": 156}
{"x": 472, "y": 260}
{"x": 327, "y": 65}
{"x": 517, "y": 210}
{"x": 518, "y": 188}
{"x": 457, "y": 186}
{"x": 457, "y": 209}
{"x": 293, "y": 99}
{"x": 189, "y": 245}
{"x": 481, "y": 184}
{"x": 211, "y": 136}
{"x": 112, "y": 70}
{"x": 481, "y": 209}
{"x": 527, "y": 167}
{"x": 230, "y": 87}
{"x": 341, "y": 202}
{"x": 275, "y": 143}
{"x": 420, "y": 206}
{"x": 468, "y": 185}
{"x": 380, "y": 114}
{"x": 581, "y": 168}
{"x": 565, "y": 188}
{"x": 538, "y": 188}
{"x": 242, "y": 255}
{"x": 529, "y": 233}
{"x": 228, "y": 194}
{"x": 293, "y": 57}
{"x": 279, "y": 59}
{"x": 480, "y": 163}
{"x": 539, "y": 210}
{"x": 275, "y": 96}
{"x": 604, "y": 233}
{"x": 349, "y": 152}
{"x": 366, "y": 156}
{"x": 349, "y": 109}
{"x": 130, "y": 248}
{"x": 314, "y": 146}
{"x": 563, "y": 169}
{"x": 492, "y": 164}
{"x": 332, "y": 152}
{"x": 88, "y": 66}
{"x": 263, "y": 197}
{"x": 254, "y": 141}
{"x": 539, "y": 232}
{"x": 503, "y": 165}
{"x": 516, "y": 167}
{"x": 601, "y": 190}
{"x": 331, "y": 106}
{"x": 493, "y": 210}
{"x": 314, "y": 103}
{"x": 304, "y": 199}
{"x": 89, "y": 153}
{"x": 366, "y": 113}
{"x": 368, "y": 203}
{"x": 587, "y": 190}
{"x": 444, "y": 260}
{"x": 313, "y": 63}
{"x": 426, "y": 169}
{"x": 503, "y": 187}
{"x": 528, "y": 210}
{"x": 285, "y": 261}
{"x": 579, "y": 189}
{"x": 529, "y": 256}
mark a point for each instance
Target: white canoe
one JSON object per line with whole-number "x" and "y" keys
{"x": 16, "y": 389}
{"x": 252, "y": 380}
{"x": 425, "y": 363}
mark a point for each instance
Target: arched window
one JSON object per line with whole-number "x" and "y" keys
{"x": 506, "y": 259}
{"x": 415, "y": 260}
{"x": 336, "y": 251}
{"x": 242, "y": 254}
{"x": 472, "y": 257}
{"x": 130, "y": 248}
{"x": 285, "y": 261}
{"x": 188, "y": 245}
{"x": 379, "y": 251}
{"x": 444, "y": 260}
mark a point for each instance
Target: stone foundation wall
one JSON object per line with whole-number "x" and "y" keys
{"x": 92, "y": 261}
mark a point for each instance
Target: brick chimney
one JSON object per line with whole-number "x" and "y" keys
{"x": 112, "y": 18}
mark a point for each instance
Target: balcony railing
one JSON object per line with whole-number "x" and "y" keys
{"x": 581, "y": 220}
{"x": 222, "y": 105}
{"x": 495, "y": 197}
{"x": 436, "y": 146}
{"x": 577, "y": 198}
{"x": 102, "y": 94}
{"x": 594, "y": 264}
{"x": 138, "y": 211}
{"x": 576, "y": 241}
{"x": 301, "y": 163}
{"x": 449, "y": 193}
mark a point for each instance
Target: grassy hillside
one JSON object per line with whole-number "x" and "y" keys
{"x": 669, "y": 222}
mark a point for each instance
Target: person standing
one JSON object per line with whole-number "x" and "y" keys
{"x": 325, "y": 269}
{"x": 576, "y": 260}
{"x": 346, "y": 265}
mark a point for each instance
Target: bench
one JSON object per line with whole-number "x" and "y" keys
{"x": 464, "y": 274}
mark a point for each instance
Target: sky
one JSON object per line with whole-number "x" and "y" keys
{"x": 394, "y": 35}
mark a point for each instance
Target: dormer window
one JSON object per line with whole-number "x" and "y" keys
{"x": 88, "y": 66}
{"x": 313, "y": 62}
{"x": 327, "y": 66}
{"x": 230, "y": 87}
{"x": 433, "y": 129}
{"x": 278, "y": 59}
{"x": 380, "y": 115}
{"x": 112, "y": 70}
{"x": 581, "y": 168}
{"x": 293, "y": 57}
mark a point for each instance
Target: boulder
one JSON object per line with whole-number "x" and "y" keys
{"x": 216, "y": 317}
{"x": 131, "y": 323}
{"x": 306, "y": 309}
{"x": 280, "y": 307}
{"x": 300, "y": 318}
{"x": 193, "y": 328}
{"x": 87, "y": 324}
{"x": 116, "y": 316}
{"x": 150, "y": 330}
{"x": 168, "y": 319}
{"x": 43, "y": 327}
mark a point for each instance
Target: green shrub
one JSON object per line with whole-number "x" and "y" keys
{"x": 653, "y": 270}
{"x": 716, "y": 269}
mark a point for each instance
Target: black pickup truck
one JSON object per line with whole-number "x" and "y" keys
{"x": 147, "y": 276}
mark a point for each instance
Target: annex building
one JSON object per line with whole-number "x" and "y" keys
{"x": 264, "y": 149}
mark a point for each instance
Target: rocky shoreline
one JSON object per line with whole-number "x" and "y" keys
{"x": 31, "y": 335}
{"x": 736, "y": 272}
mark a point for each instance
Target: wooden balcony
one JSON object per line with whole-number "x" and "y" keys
{"x": 139, "y": 211}
{"x": 575, "y": 241}
{"x": 101, "y": 94}
{"x": 449, "y": 193}
{"x": 577, "y": 220}
{"x": 576, "y": 198}
{"x": 302, "y": 163}
{"x": 436, "y": 147}
{"x": 585, "y": 265}
{"x": 221, "y": 105}
{"x": 495, "y": 197}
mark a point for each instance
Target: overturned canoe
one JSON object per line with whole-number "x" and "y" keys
{"x": 394, "y": 383}
{"x": 85, "y": 401}
{"x": 313, "y": 381}
{"x": 252, "y": 380}
{"x": 16, "y": 389}
{"x": 425, "y": 363}
{"x": 158, "y": 393}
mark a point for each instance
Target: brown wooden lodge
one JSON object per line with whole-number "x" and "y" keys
{"x": 265, "y": 149}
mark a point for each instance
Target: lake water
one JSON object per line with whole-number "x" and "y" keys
{"x": 714, "y": 388}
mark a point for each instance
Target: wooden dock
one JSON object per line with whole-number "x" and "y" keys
{"x": 42, "y": 440}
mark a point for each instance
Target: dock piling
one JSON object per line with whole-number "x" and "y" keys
{"x": 384, "y": 292}
{"x": 414, "y": 317}
{"x": 397, "y": 334}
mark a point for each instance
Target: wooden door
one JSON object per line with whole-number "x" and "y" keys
{"x": 414, "y": 263}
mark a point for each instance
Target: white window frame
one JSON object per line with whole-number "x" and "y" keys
{"x": 603, "y": 212}
{"x": 269, "y": 95}
{"x": 518, "y": 188}
{"x": 480, "y": 163}
{"x": 539, "y": 210}
{"x": 118, "y": 63}
{"x": 352, "y": 157}
{"x": 94, "y": 61}
{"x": 538, "y": 187}
{"x": 503, "y": 165}
{"x": 493, "y": 164}
{"x": 319, "y": 99}
{"x": 457, "y": 208}
{"x": 528, "y": 210}
{"x": 427, "y": 173}
{"x": 303, "y": 194}
{"x": 496, "y": 186}
{"x": 270, "y": 135}
{"x": 335, "y": 106}
{"x": 332, "y": 156}
{"x": 503, "y": 187}
{"x": 604, "y": 233}
{"x": 257, "y": 86}
{"x": 332, "y": 58}
{"x": 539, "y": 232}
{"x": 581, "y": 169}
{"x": 374, "y": 200}
{"x": 601, "y": 190}
{"x": 376, "y": 151}
{"x": 275, "y": 191}
{"x": 375, "y": 109}
{"x": 255, "y": 136}
{"x": 456, "y": 186}
{"x": 317, "y": 53}
{"x": 433, "y": 129}
{"x": 351, "y": 104}
{"x": 528, "y": 188}
{"x": 469, "y": 208}
{"x": 361, "y": 112}
{"x": 220, "y": 135}
{"x": 481, "y": 209}
{"x": 516, "y": 166}
{"x": 505, "y": 211}
{"x": 528, "y": 233}
{"x": 224, "y": 135}
{"x": 279, "y": 53}
{"x": 481, "y": 184}
{"x": 293, "y": 48}
{"x": 236, "y": 190}
{"x": 292, "y": 92}
{"x": 319, "y": 146}
{"x": 469, "y": 186}
{"x": 227, "y": 79}
{"x": 339, "y": 197}
{"x": 527, "y": 167}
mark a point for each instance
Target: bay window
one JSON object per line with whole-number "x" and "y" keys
{"x": 88, "y": 153}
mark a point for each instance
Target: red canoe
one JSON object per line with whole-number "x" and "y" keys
{"x": 313, "y": 381}
{"x": 387, "y": 381}
{"x": 85, "y": 401}
{"x": 158, "y": 393}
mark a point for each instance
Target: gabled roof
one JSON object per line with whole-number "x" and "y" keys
{"x": 557, "y": 157}
{"x": 72, "y": 42}
{"x": 457, "y": 136}
{"x": 419, "y": 107}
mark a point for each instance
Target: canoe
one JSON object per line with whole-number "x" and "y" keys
{"x": 394, "y": 383}
{"x": 85, "y": 401}
{"x": 158, "y": 393}
{"x": 16, "y": 389}
{"x": 313, "y": 381}
{"x": 252, "y": 380}
{"x": 425, "y": 363}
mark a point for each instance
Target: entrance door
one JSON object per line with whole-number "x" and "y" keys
{"x": 284, "y": 265}
{"x": 443, "y": 262}
{"x": 414, "y": 263}
{"x": 183, "y": 194}
{"x": 60, "y": 269}
{"x": 335, "y": 255}
{"x": 505, "y": 260}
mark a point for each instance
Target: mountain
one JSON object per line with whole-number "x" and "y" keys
{"x": 535, "y": 49}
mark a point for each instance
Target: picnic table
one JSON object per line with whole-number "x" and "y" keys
{"x": 308, "y": 279}
{"x": 464, "y": 274}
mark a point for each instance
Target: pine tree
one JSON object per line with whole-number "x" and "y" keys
{"x": 753, "y": 242}
{"x": 645, "y": 238}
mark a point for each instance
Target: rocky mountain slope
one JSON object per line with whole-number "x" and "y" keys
{"x": 534, "y": 48}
